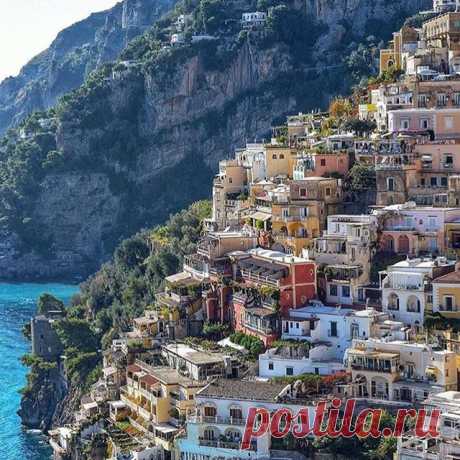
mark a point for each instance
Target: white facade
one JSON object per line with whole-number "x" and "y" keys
{"x": 331, "y": 330}
{"x": 253, "y": 157}
{"x": 447, "y": 445}
{"x": 256, "y": 18}
{"x": 272, "y": 364}
{"x": 441, "y": 6}
{"x": 405, "y": 289}
{"x": 216, "y": 431}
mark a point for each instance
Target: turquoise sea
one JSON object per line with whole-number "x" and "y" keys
{"x": 17, "y": 305}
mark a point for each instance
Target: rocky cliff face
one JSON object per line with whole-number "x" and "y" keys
{"x": 143, "y": 141}
{"x": 76, "y": 51}
{"x": 39, "y": 405}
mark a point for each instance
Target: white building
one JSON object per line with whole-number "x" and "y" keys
{"x": 177, "y": 39}
{"x": 447, "y": 445}
{"x": 329, "y": 332}
{"x": 297, "y": 360}
{"x": 254, "y": 19}
{"x": 406, "y": 291}
{"x": 216, "y": 431}
{"x": 441, "y": 6}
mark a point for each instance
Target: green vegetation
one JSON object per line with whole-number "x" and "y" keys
{"x": 367, "y": 448}
{"x": 47, "y": 303}
{"x": 254, "y": 345}
{"x": 361, "y": 178}
{"x": 39, "y": 369}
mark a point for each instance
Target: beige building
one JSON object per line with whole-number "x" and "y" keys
{"x": 399, "y": 371}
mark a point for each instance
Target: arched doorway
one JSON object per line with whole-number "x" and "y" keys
{"x": 403, "y": 244}
{"x": 413, "y": 304}
{"x": 388, "y": 243}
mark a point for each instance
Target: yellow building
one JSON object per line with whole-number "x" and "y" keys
{"x": 452, "y": 233}
{"x": 391, "y": 58}
{"x": 446, "y": 295}
{"x": 156, "y": 397}
{"x": 301, "y": 216}
{"x": 279, "y": 160}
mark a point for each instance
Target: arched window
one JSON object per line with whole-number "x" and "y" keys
{"x": 393, "y": 301}
{"x": 413, "y": 304}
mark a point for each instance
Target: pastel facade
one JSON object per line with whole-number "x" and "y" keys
{"x": 222, "y": 409}
{"x": 412, "y": 230}
{"x": 399, "y": 371}
{"x": 152, "y": 394}
{"x": 405, "y": 288}
{"x": 446, "y": 295}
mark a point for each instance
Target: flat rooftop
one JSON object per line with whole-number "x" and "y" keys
{"x": 194, "y": 356}
{"x": 247, "y": 390}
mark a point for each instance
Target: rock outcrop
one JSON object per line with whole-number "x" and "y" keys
{"x": 75, "y": 52}
{"x": 144, "y": 141}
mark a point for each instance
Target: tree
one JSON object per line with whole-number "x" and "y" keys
{"x": 48, "y": 303}
{"x": 361, "y": 178}
{"x": 340, "y": 108}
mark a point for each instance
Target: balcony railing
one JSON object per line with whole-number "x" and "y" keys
{"x": 250, "y": 276}
{"x": 223, "y": 444}
{"x": 446, "y": 308}
{"x": 216, "y": 420}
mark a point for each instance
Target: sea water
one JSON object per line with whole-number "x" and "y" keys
{"x": 17, "y": 306}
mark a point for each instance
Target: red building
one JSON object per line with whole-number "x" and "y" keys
{"x": 271, "y": 283}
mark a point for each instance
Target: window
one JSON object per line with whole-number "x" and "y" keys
{"x": 270, "y": 366}
{"x": 448, "y": 160}
{"x": 274, "y": 156}
{"x": 441, "y": 100}
{"x": 345, "y": 291}
{"x": 285, "y": 212}
{"x": 289, "y": 371}
{"x": 333, "y": 331}
{"x": 448, "y": 303}
{"x": 230, "y": 180}
{"x": 456, "y": 99}
{"x": 297, "y": 325}
{"x": 303, "y": 192}
{"x": 434, "y": 181}
{"x": 448, "y": 122}
{"x": 443, "y": 181}
{"x": 328, "y": 191}
{"x": 404, "y": 124}
{"x": 424, "y": 123}
{"x": 303, "y": 212}
{"x": 323, "y": 162}
{"x": 281, "y": 156}
{"x": 390, "y": 184}
{"x": 333, "y": 290}
{"x": 422, "y": 100}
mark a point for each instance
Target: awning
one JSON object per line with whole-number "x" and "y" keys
{"x": 89, "y": 406}
{"x": 260, "y": 216}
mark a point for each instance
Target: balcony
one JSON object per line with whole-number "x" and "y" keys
{"x": 249, "y": 275}
{"x": 449, "y": 308}
{"x": 224, "y": 445}
{"x": 216, "y": 420}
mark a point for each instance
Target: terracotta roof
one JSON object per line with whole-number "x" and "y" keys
{"x": 243, "y": 390}
{"x": 451, "y": 278}
{"x": 133, "y": 368}
{"x": 149, "y": 380}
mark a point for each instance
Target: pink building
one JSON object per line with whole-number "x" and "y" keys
{"x": 445, "y": 123}
{"x": 321, "y": 164}
{"x": 408, "y": 229}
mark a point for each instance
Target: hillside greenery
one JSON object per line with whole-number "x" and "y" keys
{"x": 126, "y": 286}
